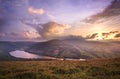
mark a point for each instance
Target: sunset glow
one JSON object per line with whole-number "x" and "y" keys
{"x": 105, "y": 35}
{"x": 42, "y": 20}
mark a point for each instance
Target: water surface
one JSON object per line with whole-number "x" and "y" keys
{"x": 27, "y": 55}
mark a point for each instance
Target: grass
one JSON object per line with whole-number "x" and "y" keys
{"x": 90, "y": 69}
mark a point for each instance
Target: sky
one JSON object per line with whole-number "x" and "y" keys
{"x": 45, "y": 19}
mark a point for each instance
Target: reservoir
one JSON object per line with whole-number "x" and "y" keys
{"x": 27, "y": 55}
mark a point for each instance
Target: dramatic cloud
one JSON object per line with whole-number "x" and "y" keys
{"x": 112, "y": 10}
{"x": 105, "y": 21}
{"x": 37, "y": 15}
{"x": 50, "y": 29}
{"x": 53, "y": 29}
{"x": 101, "y": 36}
{"x": 108, "y": 18}
{"x": 36, "y": 11}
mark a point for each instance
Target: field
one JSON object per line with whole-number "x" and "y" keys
{"x": 89, "y": 69}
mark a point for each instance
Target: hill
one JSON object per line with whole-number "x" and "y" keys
{"x": 66, "y": 47}
{"x": 76, "y": 48}
{"x": 7, "y": 46}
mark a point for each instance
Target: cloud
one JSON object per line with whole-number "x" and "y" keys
{"x": 112, "y": 10}
{"x": 49, "y": 30}
{"x": 25, "y": 35}
{"x": 30, "y": 35}
{"x": 53, "y": 29}
{"x": 105, "y": 21}
{"x": 92, "y": 36}
{"x": 117, "y": 35}
{"x": 36, "y": 11}
{"x": 107, "y": 35}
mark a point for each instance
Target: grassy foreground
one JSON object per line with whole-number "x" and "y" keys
{"x": 90, "y": 69}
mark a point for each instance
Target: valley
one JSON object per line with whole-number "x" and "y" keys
{"x": 67, "y": 48}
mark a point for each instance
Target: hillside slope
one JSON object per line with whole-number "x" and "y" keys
{"x": 7, "y": 46}
{"x": 76, "y": 48}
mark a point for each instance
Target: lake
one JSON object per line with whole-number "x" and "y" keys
{"x": 27, "y": 55}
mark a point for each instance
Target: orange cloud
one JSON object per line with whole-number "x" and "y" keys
{"x": 36, "y": 11}
{"x": 53, "y": 29}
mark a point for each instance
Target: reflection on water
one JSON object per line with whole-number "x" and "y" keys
{"x": 23, "y": 54}
{"x": 26, "y": 55}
